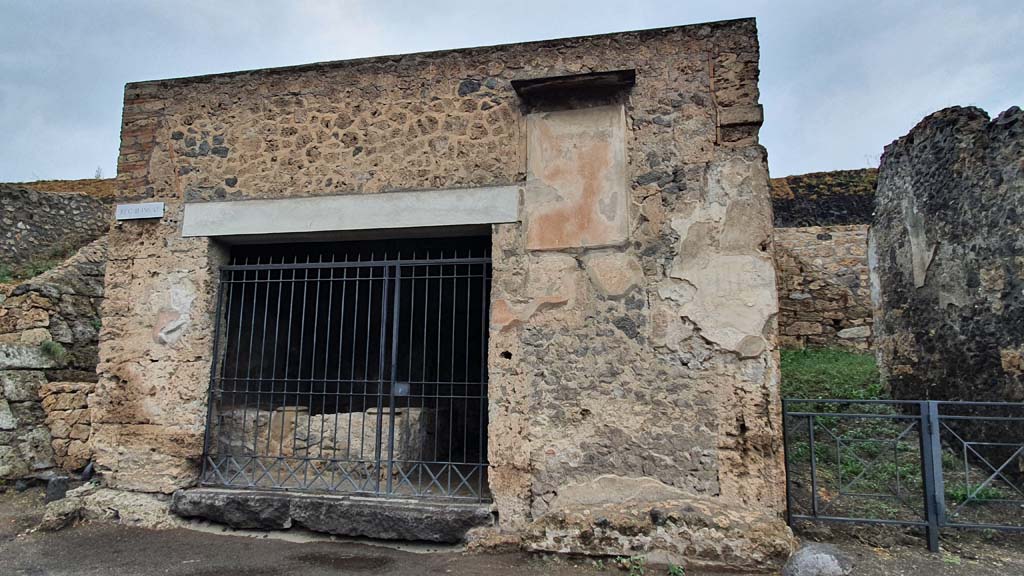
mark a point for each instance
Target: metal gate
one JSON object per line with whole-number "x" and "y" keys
{"x": 916, "y": 463}
{"x": 351, "y": 372}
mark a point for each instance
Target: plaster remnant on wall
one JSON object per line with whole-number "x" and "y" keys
{"x": 576, "y": 179}
{"x": 718, "y": 257}
{"x": 921, "y": 251}
{"x": 614, "y": 274}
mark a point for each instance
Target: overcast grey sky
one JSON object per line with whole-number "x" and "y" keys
{"x": 839, "y": 78}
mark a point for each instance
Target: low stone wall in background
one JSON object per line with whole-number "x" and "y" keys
{"x": 37, "y": 228}
{"x": 105, "y": 189}
{"x": 824, "y": 288}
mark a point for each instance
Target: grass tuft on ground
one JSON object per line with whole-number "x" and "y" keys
{"x": 830, "y": 373}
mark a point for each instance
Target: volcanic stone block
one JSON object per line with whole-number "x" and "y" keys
{"x": 343, "y": 516}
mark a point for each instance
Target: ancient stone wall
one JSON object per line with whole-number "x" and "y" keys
{"x": 105, "y": 189}
{"x": 824, "y": 289}
{"x": 947, "y": 258}
{"x": 40, "y": 229}
{"x": 49, "y": 328}
{"x": 633, "y": 311}
{"x": 836, "y": 198}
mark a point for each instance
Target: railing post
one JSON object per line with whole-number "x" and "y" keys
{"x": 931, "y": 471}
{"x": 785, "y": 461}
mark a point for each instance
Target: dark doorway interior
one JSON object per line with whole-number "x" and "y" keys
{"x": 353, "y": 367}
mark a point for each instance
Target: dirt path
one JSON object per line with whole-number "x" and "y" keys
{"x": 101, "y": 549}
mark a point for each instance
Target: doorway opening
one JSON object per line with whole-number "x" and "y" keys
{"x": 352, "y": 367}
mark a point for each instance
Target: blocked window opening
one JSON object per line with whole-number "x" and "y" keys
{"x": 352, "y": 367}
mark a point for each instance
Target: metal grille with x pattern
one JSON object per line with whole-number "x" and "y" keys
{"x": 353, "y": 368}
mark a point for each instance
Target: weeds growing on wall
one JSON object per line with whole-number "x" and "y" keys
{"x": 36, "y": 266}
{"x": 55, "y": 351}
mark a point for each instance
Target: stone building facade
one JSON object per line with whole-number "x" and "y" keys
{"x": 947, "y": 258}
{"x": 632, "y": 396}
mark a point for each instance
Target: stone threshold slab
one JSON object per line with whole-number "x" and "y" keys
{"x": 384, "y": 518}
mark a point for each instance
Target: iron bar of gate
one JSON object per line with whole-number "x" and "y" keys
{"x": 929, "y": 421}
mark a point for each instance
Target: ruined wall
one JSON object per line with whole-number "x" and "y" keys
{"x": 105, "y": 189}
{"x": 824, "y": 286}
{"x": 41, "y": 227}
{"x": 836, "y": 198}
{"x": 632, "y": 345}
{"x": 947, "y": 258}
{"x": 48, "y": 354}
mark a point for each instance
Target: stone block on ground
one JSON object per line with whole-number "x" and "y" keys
{"x": 817, "y": 559}
{"x": 339, "y": 515}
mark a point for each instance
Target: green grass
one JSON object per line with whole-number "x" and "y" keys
{"x": 830, "y": 373}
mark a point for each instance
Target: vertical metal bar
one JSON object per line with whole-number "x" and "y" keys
{"x": 273, "y": 363}
{"x": 451, "y": 452}
{"x": 814, "y": 466}
{"x": 380, "y": 371}
{"x": 310, "y": 399}
{"x": 298, "y": 376}
{"x": 259, "y": 388}
{"x": 482, "y": 458}
{"x": 238, "y": 349}
{"x": 213, "y": 373}
{"x": 465, "y": 370}
{"x": 341, "y": 353}
{"x": 423, "y": 374}
{"x": 408, "y": 376}
{"x": 785, "y": 461}
{"x": 437, "y": 359}
{"x": 931, "y": 470}
{"x": 352, "y": 368}
{"x": 395, "y": 311}
{"x": 285, "y": 414}
{"x": 327, "y": 361}
{"x": 248, "y": 372}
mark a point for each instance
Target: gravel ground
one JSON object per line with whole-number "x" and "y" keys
{"x": 101, "y": 549}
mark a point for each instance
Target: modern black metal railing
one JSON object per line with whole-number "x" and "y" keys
{"x": 927, "y": 464}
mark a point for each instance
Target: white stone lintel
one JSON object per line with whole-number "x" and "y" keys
{"x": 413, "y": 209}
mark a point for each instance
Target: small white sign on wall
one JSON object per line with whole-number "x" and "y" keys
{"x": 139, "y": 211}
